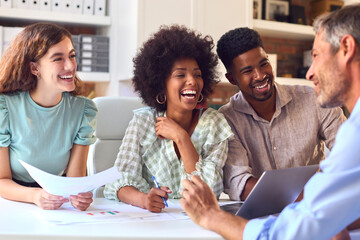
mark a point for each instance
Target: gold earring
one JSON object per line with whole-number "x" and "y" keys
{"x": 160, "y": 102}
{"x": 201, "y": 97}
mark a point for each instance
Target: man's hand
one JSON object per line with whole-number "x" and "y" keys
{"x": 198, "y": 200}
{"x": 201, "y": 205}
{"x": 343, "y": 235}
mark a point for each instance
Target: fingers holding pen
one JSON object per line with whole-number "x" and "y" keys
{"x": 154, "y": 199}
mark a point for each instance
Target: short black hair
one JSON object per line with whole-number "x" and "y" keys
{"x": 236, "y": 42}
{"x": 154, "y": 61}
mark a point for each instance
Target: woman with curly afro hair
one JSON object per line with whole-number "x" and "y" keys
{"x": 175, "y": 136}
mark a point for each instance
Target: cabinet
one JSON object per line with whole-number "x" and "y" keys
{"x": 100, "y": 24}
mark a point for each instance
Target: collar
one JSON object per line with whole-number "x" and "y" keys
{"x": 356, "y": 108}
{"x": 282, "y": 98}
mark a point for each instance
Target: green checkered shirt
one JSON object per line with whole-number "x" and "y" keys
{"x": 143, "y": 155}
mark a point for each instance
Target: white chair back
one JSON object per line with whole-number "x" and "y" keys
{"x": 114, "y": 115}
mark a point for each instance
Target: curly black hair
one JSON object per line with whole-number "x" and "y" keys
{"x": 236, "y": 42}
{"x": 155, "y": 59}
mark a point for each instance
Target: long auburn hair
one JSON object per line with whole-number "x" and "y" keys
{"x": 30, "y": 45}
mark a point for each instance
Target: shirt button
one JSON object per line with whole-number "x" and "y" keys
{"x": 275, "y": 148}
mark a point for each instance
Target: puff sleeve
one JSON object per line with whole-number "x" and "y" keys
{"x": 213, "y": 142}
{"x": 5, "y": 133}
{"x": 85, "y": 135}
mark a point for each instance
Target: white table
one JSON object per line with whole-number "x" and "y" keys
{"x": 17, "y": 223}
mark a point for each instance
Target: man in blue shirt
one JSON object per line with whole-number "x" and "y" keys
{"x": 331, "y": 197}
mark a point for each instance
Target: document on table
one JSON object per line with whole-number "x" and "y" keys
{"x": 66, "y": 186}
{"x": 109, "y": 213}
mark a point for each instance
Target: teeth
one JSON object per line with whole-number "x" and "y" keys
{"x": 262, "y": 86}
{"x": 66, "y": 77}
{"x": 188, "y": 92}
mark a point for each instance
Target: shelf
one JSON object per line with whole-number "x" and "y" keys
{"x": 94, "y": 76}
{"x": 294, "y": 81}
{"x": 52, "y": 16}
{"x": 283, "y": 30}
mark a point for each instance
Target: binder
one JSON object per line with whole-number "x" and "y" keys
{"x": 21, "y": 4}
{"x": 34, "y": 4}
{"x": 100, "y": 7}
{"x": 45, "y": 5}
{"x": 88, "y": 8}
{"x": 77, "y": 6}
{"x": 6, "y": 3}
{"x": 57, "y": 5}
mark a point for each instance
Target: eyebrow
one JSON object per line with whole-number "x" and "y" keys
{"x": 183, "y": 69}
{"x": 61, "y": 54}
{"x": 249, "y": 67}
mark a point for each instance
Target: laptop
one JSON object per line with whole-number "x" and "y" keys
{"x": 274, "y": 190}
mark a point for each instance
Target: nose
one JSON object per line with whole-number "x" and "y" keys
{"x": 190, "y": 80}
{"x": 70, "y": 64}
{"x": 258, "y": 74}
{"x": 310, "y": 73}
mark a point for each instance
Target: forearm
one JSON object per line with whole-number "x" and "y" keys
{"x": 354, "y": 225}
{"x": 249, "y": 185}
{"x": 227, "y": 225}
{"x": 15, "y": 192}
{"x": 188, "y": 153}
{"x": 77, "y": 162}
{"x": 132, "y": 196}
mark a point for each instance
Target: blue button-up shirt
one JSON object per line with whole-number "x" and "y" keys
{"x": 331, "y": 197}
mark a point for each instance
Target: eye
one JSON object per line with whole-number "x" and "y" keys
{"x": 247, "y": 72}
{"x": 72, "y": 55}
{"x": 265, "y": 64}
{"x": 57, "y": 59}
{"x": 180, "y": 75}
{"x": 198, "y": 75}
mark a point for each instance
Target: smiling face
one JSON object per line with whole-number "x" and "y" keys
{"x": 56, "y": 69}
{"x": 330, "y": 82}
{"x": 184, "y": 85}
{"x": 252, "y": 73}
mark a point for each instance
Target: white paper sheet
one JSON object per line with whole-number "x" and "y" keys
{"x": 109, "y": 213}
{"x": 66, "y": 186}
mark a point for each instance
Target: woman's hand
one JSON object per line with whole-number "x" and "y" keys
{"x": 153, "y": 200}
{"x": 167, "y": 128}
{"x": 48, "y": 201}
{"x": 81, "y": 201}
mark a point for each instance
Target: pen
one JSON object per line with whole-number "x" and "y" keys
{"x": 157, "y": 185}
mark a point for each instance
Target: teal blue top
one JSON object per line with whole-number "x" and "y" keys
{"x": 44, "y": 137}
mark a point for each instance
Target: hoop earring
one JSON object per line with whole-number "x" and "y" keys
{"x": 201, "y": 97}
{"x": 160, "y": 102}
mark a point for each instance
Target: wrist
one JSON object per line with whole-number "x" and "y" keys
{"x": 181, "y": 137}
{"x": 212, "y": 218}
{"x": 34, "y": 196}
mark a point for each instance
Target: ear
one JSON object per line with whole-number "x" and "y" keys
{"x": 348, "y": 48}
{"x": 230, "y": 78}
{"x": 34, "y": 68}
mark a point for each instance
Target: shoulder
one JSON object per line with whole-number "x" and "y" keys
{"x": 145, "y": 115}
{"x": 214, "y": 123}
{"x": 296, "y": 90}
{"x": 80, "y": 101}
{"x": 229, "y": 107}
{"x": 13, "y": 98}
